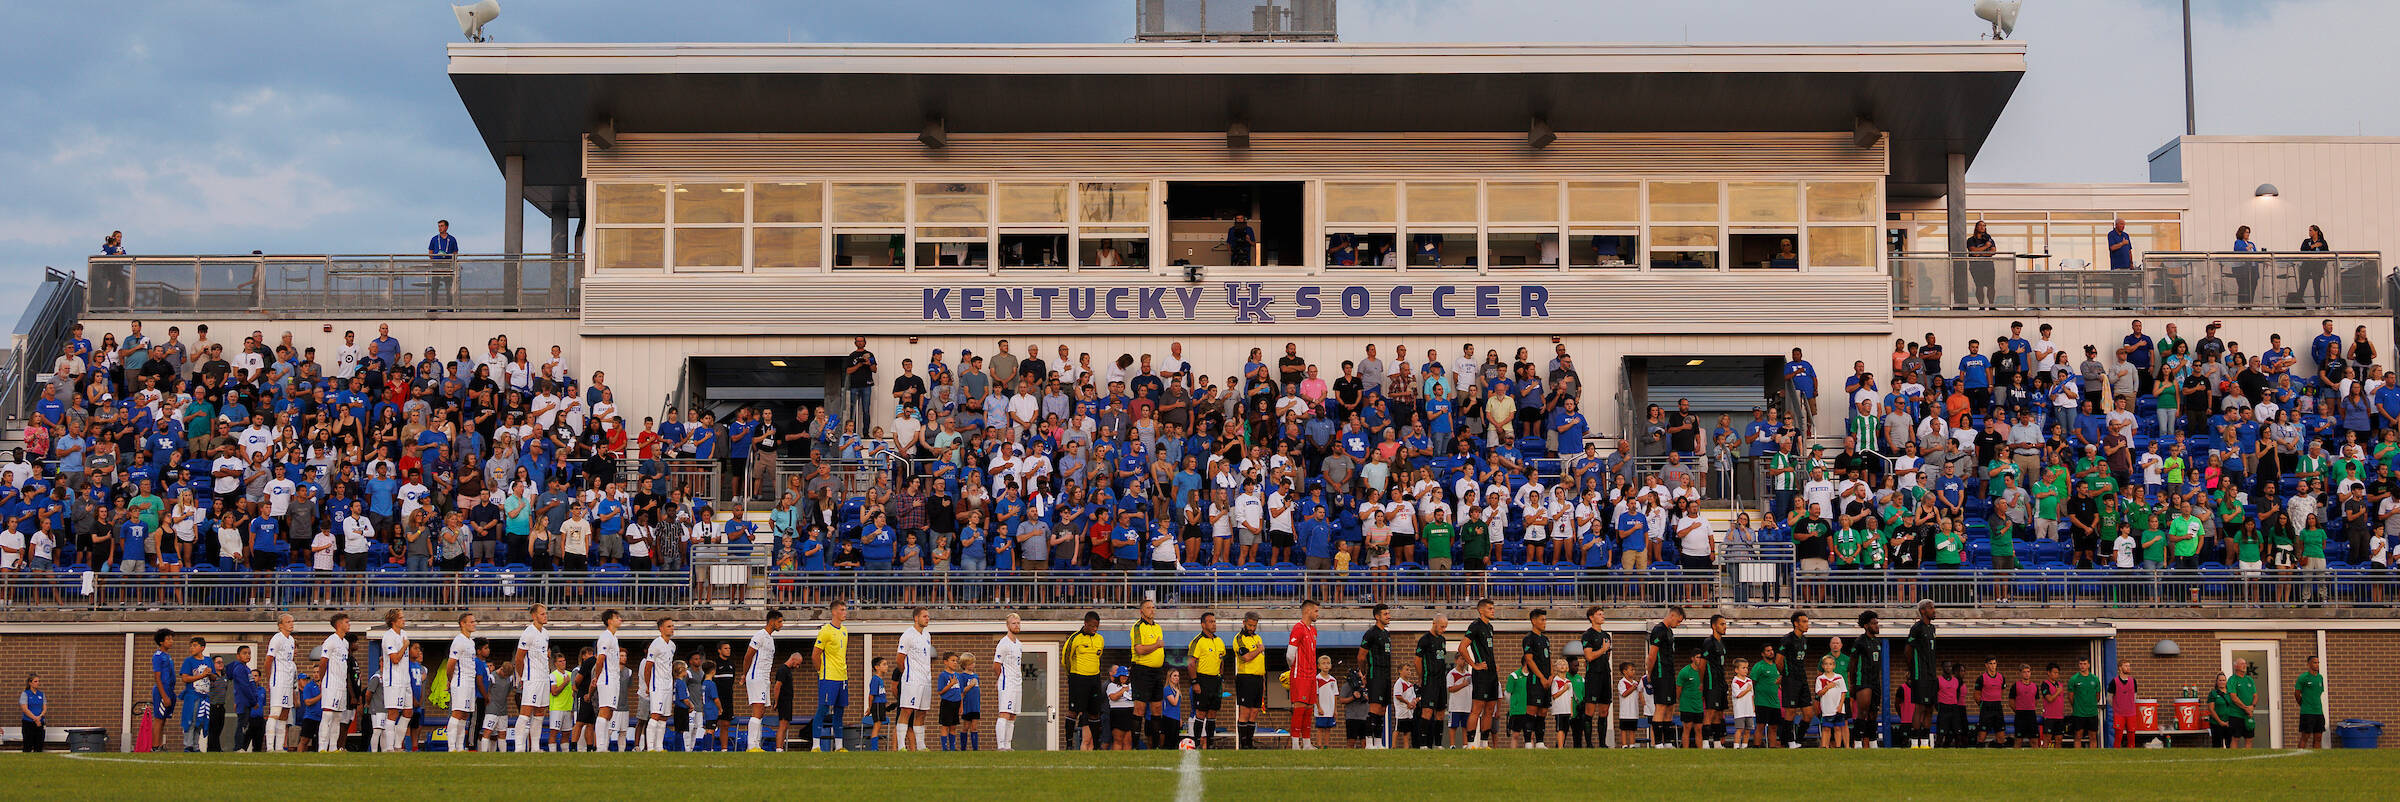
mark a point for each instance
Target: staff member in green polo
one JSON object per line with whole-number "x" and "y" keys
{"x": 2083, "y": 706}
{"x": 2310, "y": 687}
{"x": 2244, "y": 689}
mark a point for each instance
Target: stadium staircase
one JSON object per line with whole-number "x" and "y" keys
{"x": 40, "y": 331}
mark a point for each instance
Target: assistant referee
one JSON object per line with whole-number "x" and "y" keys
{"x": 1249, "y": 681}
{"x": 1207, "y": 652}
{"x": 1087, "y": 695}
{"x": 1149, "y": 671}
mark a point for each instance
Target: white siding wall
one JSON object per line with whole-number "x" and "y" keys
{"x": 2348, "y": 185}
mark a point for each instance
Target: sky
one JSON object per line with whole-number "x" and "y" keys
{"x": 330, "y": 126}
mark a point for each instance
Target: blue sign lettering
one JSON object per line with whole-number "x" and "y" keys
{"x": 1248, "y": 302}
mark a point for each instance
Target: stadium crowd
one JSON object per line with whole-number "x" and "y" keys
{"x": 167, "y": 455}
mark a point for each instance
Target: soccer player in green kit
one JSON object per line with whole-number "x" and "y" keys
{"x": 1536, "y": 696}
{"x": 1486, "y": 689}
{"x": 1432, "y": 684}
{"x": 1659, "y": 670}
{"x": 1375, "y": 657}
{"x": 1597, "y": 687}
{"x": 1766, "y": 680}
{"x": 1715, "y": 702}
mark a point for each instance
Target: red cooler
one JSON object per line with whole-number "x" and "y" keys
{"x": 2188, "y": 715}
{"x": 2145, "y": 715}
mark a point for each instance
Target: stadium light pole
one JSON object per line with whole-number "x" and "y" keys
{"x": 2190, "y": 125}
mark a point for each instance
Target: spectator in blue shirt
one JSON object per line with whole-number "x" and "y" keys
{"x": 2120, "y": 248}
{"x": 1803, "y": 379}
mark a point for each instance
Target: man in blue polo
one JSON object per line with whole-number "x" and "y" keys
{"x": 442, "y": 246}
{"x": 1803, "y": 380}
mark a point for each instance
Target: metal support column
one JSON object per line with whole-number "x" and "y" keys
{"x": 512, "y": 231}
{"x": 558, "y": 234}
{"x": 1954, "y": 195}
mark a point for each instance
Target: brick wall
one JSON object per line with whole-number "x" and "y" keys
{"x": 2358, "y": 681}
{"x": 83, "y": 677}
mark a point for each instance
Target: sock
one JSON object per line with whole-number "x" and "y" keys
{"x": 975, "y": 742}
{"x": 920, "y": 731}
{"x": 1000, "y": 734}
{"x": 753, "y": 733}
{"x": 454, "y": 736}
{"x": 1246, "y": 734}
{"x": 603, "y": 736}
{"x": 946, "y": 742}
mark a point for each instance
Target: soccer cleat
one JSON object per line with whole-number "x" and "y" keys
{"x": 754, "y": 749}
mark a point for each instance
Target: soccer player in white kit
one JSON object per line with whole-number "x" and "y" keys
{"x": 533, "y": 698}
{"x": 916, "y": 677}
{"x": 399, "y": 693}
{"x": 607, "y": 693}
{"x": 758, "y": 671}
{"x": 658, "y": 686}
{"x": 333, "y": 677}
{"x": 1008, "y": 663}
{"x": 465, "y": 678}
{"x": 282, "y": 682}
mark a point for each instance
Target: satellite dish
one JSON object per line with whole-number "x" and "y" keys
{"x": 471, "y": 18}
{"x": 2002, "y": 14}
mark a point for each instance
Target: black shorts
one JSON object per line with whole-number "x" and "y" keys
{"x": 2083, "y": 724}
{"x": 1486, "y": 685}
{"x": 1209, "y": 693}
{"x": 1662, "y": 692}
{"x": 1690, "y": 717}
{"x": 1146, "y": 682}
{"x": 970, "y": 716}
{"x": 1279, "y": 539}
{"x": 1355, "y": 729}
{"x": 1522, "y": 722}
{"x": 585, "y": 714}
{"x": 1250, "y": 690}
{"x": 1538, "y": 696}
{"x": 1596, "y": 690}
{"x": 1770, "y": 716}
{"x": 2055, "y": 726}
{"x": 1923, "y": 690}
{"x": 1122, "y": 719}
{"x": 1988, "y": 718}
{"x": 1717, "y": 699}
{"x": 2245, "y": 728}
{"x": 2027, "y": 725}
{"x": 1379, "y": 692}
{"x": 1435, "y": 701}
{"x": 2312, "y": 723}
{"x": 1628, "y": 724}
{"x": 1795, "y": 696}
{"x": 949, "y": 713}
{"x": 1082, "y": 691}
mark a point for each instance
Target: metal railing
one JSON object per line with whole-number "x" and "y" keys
{"x": 35, "y": 342}
{"x": 531, "y": 284}
{"x": 2297, "y": 283}
{"x": 2110, "y": 588}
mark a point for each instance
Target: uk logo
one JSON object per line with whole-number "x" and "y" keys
{"x": 1249, "y": 302}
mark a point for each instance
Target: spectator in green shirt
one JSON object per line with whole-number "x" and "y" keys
{"x": 1691, "y": 686}
{"x": 1767, "y": 682}
{"x": 2244, "y": 689}
{"x": 2222, "y": 715}
{"x": 2310, "y": 687}
{"x": 2083, "y": 709}
{"x": 1949, "y": 545}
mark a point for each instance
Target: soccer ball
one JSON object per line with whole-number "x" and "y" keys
{"x": 1187, "y": 745}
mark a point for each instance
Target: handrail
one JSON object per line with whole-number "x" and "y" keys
{"x": 2282, "y": 282}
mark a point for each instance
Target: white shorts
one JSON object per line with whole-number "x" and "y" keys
{"x": 610, "y": 696}
{"x": 534, "y": 694}
{"x": 333, "y": 702}
{"x": 494, "y": 722}
{"x": 280, "y": 694}
{"x": 562, "y": 719}
{"x": 1012, "y": 701}
{"x": 916, "y": 696}
{"x": 755, "y": 690}
{"x": 662, "y": 703}
{"x": 399, "y": 698}
{"x": 464, "y": 703}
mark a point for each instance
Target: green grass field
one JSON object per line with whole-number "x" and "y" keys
{"x": 1261, "y": 775}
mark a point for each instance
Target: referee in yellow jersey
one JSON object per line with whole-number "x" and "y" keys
{"x": 1249, "y": 682}
{"x": 1208, "y": 679}
{"x": 1149, "y": 674}
{"x": 1087, "y": 696}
